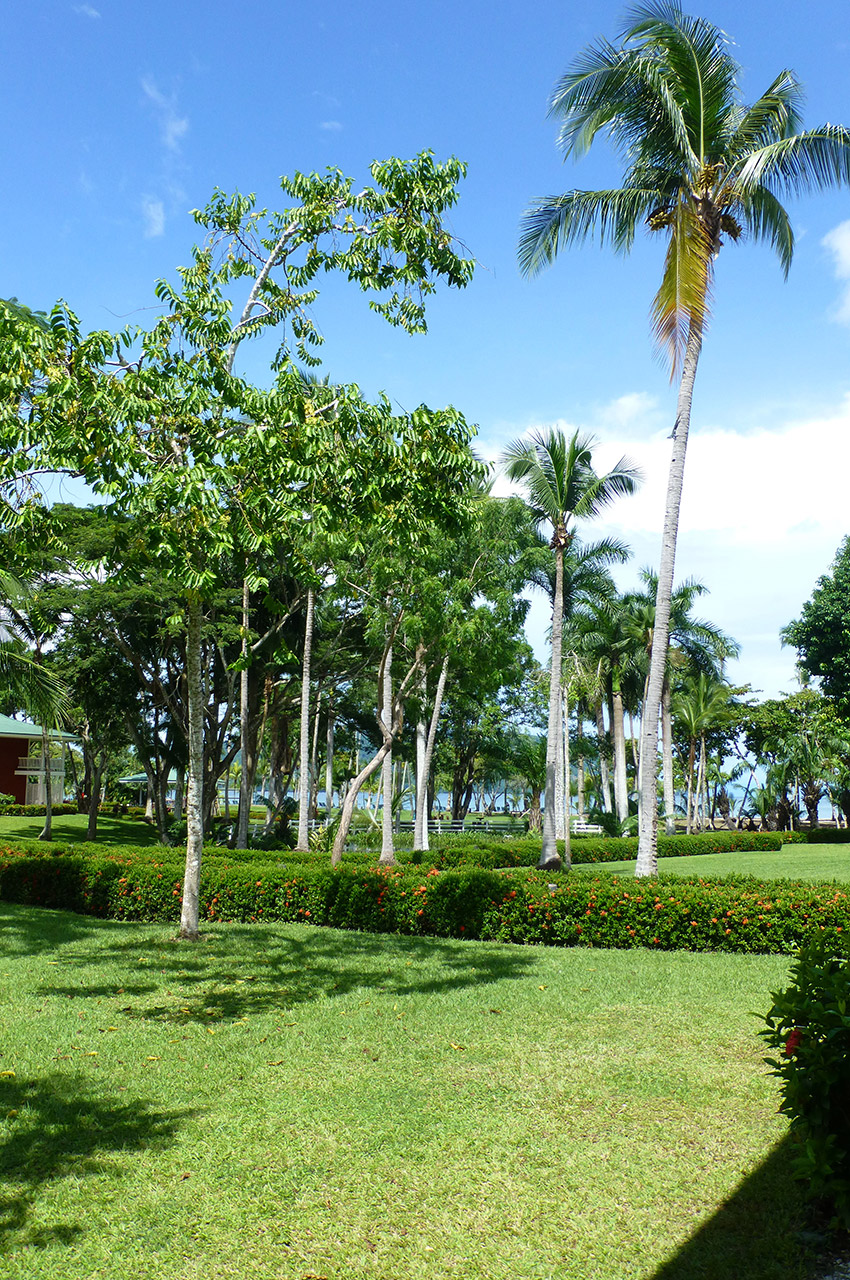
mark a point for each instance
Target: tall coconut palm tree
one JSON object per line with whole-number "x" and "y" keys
{"x": 561, "y": 486}
{"x": 700, "y": 166}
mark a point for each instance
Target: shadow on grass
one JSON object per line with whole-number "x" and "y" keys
{"x": 58, "y": 1127}
{"x": 72, "y": 828}
{"x": 757, "y": 1234}
{"x": 242, "y": 969}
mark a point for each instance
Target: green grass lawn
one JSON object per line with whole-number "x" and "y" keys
{"x": 71, "y": 828}
{"x": 297, "y": 1103}
{"x": 794, "y": 862}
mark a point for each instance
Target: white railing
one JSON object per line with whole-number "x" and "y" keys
{"x": 35, "y": 764}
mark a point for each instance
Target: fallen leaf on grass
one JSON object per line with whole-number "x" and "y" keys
{"x": 541, "y": 988}
{"x": 280, "y": 1062}
{"x": 184, "y": 1176}
{"x": 6, "y": 1073}
{"x": 92, "y": 1053}
{"x": 153, "y": 1057}
{"x": 462, "y": 1047}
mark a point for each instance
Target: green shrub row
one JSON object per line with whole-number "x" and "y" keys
{"x": 739, "y": 914}
{"x": 35, "y": 810}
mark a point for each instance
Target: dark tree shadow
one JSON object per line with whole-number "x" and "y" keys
{"x": 759, "y": 1233}
{"x": 58, "y": 1127}
{"x": 240, "y": 970}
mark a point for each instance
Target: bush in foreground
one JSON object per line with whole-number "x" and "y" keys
{"x": 808, "y": 1030}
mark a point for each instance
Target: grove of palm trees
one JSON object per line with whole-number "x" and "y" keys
{"x": 429, "y": 934}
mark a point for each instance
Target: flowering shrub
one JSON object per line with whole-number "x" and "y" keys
{"x": 808, "y": 1029}
{"x": 522, "y": 905}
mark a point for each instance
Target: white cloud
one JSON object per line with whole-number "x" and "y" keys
{"x": 763, "y": 513}
{"x": 837, "y": 241}
{"x": 86, "y": 10}
{"x": 173, "y": 127}
{"x": 332, "y": 126}
{"x": 153, "y": 213}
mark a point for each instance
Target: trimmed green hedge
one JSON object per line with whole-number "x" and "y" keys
{"x": 738, "y": 913}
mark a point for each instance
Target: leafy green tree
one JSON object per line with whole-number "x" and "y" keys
{"x": 212, "y": 465}
{"x": 561, "y": 486}
{"x": 821, "y": 635}
{"x": 700, "y": 166}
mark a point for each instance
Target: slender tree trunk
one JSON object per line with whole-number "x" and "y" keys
{"x": 194, "y": 799}
{"x": 582, "y": 816}
{"x": 647, "y": 859}
{"x": 560, "y": 804}
{"x": 46, "y": 832}
{"x": 386, "y": 694}
{"x": 604, "y": 774}
{"x": 313, "y": 811}
{"x": 94, "y": 797}
{"x": 246, "y": 778}
{"x": 667, "y": 757}
{"x": 421, "y": 782}
{"x": 621, "y": 784}
{"x": 423, "y": 788}
{"x": 689, "y": 804}
{"x": 549, "y": 856}
{"x": 329, "y": 760}
{"x": 303, "y": 841}
{"x": 700, "y": 796}
{"x": 179, "y": 784}
{"x": 567, "y": 781}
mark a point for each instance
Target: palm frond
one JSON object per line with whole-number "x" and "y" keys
{"x": 776, "y": 114}
{"x": 554, "y": 222}
{"x": 813, "y": 160}
{"x": 767, "y": 220}
{"x": 683, "y": 300}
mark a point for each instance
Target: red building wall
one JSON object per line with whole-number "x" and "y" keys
{"x": 11, "y": 750}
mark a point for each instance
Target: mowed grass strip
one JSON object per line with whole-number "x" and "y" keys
{"x": 296, "y": 1102}
{"x": 807, "y": 862}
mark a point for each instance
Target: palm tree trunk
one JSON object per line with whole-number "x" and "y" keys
{"x": 689, "y": 807}
{"x": 421, "y": 739}
{"x": 387, "y": 848}
{"x": 667, "y": 759}
{"x": 194, "y": 799}
{"x": 647, "y": 859}
{"x": 621, "y": 786}
{"x": 604, "y": 775}
{"x": 560, "y": 803}
{"x": 549, "y": 857}
{"x": 568, "y": 860}
{"x": 303, "y": 841}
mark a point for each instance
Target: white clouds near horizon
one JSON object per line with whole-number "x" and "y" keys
{"x": 762, "y": 516}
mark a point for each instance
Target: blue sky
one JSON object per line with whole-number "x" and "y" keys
{"x": 120, "y": 120}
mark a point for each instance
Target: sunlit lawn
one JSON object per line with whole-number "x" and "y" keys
{"x": 794, "y": 862}
{"x": 294, "y": 1102}
{"x": 71, "y": 828}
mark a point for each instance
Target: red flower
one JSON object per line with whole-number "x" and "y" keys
{"x": 792, "y": 1044}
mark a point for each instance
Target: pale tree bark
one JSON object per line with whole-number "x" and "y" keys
{"x": 647, "y": 859}
{"x": 560, "y": 803}
{"x": 179, "y": 785}
{"x": 303, "y": 841}
{"x": 389, "y": 732}
{"x": 387, "y": 844}
{"x": 194, "y": 799}
{"x": 618, "y": 733}
{"x": 422, "y": 779}
{"x": 329, "y": 760}
{"x": 690, "y": 797}
{"x": 98, "y": 764}
{"x": 667, "y": 759}
{"x": 246, "y": 778}
{"x": 567, "y": 782}
{"x": 604, "y": 773}
{"x": 549, "y": 856}
{"x": 421, "y": 784}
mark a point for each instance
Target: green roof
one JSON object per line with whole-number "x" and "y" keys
{"x": 11, "y": 728}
